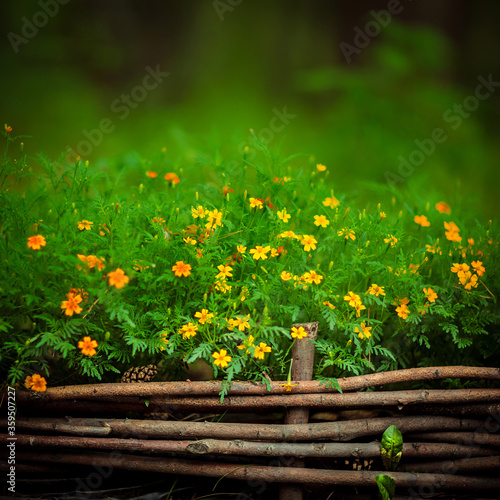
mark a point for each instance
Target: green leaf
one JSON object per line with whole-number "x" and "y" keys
{"x": 391, "y": 447}
{"x": 386, "y": 486}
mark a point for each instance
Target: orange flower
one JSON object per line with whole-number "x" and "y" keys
{"x": 478, "y": 267}
{"x": 443, "y": 208}
{"x": 87, "y": 345}
{"x": 403, "y": 311}
{"x": 71, "y": 305}
{"x": 321, "y": 168}
{"x": 36, "y": 383}
{"x": 452, "y": 232}
{"x": 85, "y": 225}
{"x": 422, "y": 220}
{"x": 171, "y": 176}
{"x": 36, "y": 242}
{"x": 298, "y": 333}
{"x": 118, "y": 278}
{"x": 181, "y": 268}
{"x": 151, "y": 174}
{"x": 431, "y": 294}
{"x": 8, "y": 128}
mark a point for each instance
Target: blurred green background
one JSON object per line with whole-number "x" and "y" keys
{"x": 360, "y": 81}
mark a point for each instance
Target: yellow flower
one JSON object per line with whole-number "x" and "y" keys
{"x": 261, "y": 350}
{"x": 36, "y": 383}
{"x": 359, "y": 308}
{"x": 321, "y": 168}
{"x": 36, "y": 242}
{"x": 259, "y": 252}
{"x": 443, "y": 208}
{"x": 240, "y": 323}
{"x": 331, "y": 202}
{"x": 353, "y": 299}
{"x": 477, "y": 265}
{"x": 188, "y": 330}
{"x": 298, "y": 333}
{"x": 221, "y": 358}
{"x": 283, "y": 215}
{"x": 288, "y": 386}
{"x": 433, "y": 248}
{"x": 312, "y": 277}
{"x": 181, "y": 269}
{"x": 241, "y": 249}
{"x": 452, "y": 232}
{"x": 467, "y": 279}
{"x": 203, "y": 316}
{"x": 391, "y": 239}
{"x": 403, "y": 311}
{"x": 288, "y": 234}
{"x": 256, "y": 203}
{"x": 71, "y": 305}
{"x": 164, "y": 340}
{"x": 431, "y": 294}
{"x": 422, "y": 220}
{"x": 248, "y": 343}
{"x": 328, "y": 304}
{"x": 383, "y": 215}
{"x": 309, "y": 242}
{"x": 87, "y": 345}
{"x": 376, "y": 290}
{"x": 347, "y": 233}
{"x": 365, "y": 331}
{"x": 214, "y": 219}
{"x": 285, "y": 276}
{"x": 199, "y": 211}
{"x": 321, "y": 220}
{"x": 225, "y": 271}
{"x": 456, "y": 268}
{"x": 222, "y": 286}
{"x": 118, "y": 278}
{"x": 85, "y": 225}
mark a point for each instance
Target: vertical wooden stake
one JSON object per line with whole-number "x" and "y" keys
{"x": 302, "y": 369}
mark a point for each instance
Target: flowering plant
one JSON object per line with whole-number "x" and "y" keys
{"x": 101, "y": 273}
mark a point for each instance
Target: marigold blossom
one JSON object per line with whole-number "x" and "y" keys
{"x": 172, "y": 177}
{"x": 443, "y": 208}
{"x": 288, "y": 234}
{"x": 467, "y": 279}
{"x": 403, "y": 311}
{"x": 364, "y": 332}
{"x": 353, "y": 299}
{"x": 283, "y": 215}
{"x": 478, "y": 267}
{"x": 118, "y": 278}
{"x": 36, "y": 242}
{"x": 376, "y": 290}
{"x": 259, "y": 252}
{"x": 180, "y": 268}
{"x": 198, "y": 212}
{"x": 391, "y": 239}
{"x": 321, "y": 220}
{"x": 261, "y": 350}
{"x": 312, "y": 277}
{"x": 151, "y": 174}
{"x": 422, "y": 220}
{"x": 88, "y": 346}
{"x": 241, "y": 249}
{"x": 203, "y": 316}
{"x": 240, "y": 323}
{"x": 331, "y": 202}
{"x": 8, "y": 128}
{"x": 298, "y": 333}
{"x": 36, "y": 383}
{"x": 431, "y": 294}
{"x": 309, "y": 242}
{"x": 452, "y": 232}
{"x": 221, "y": 358}
{"x": 188, "y": 330}
{"x": 225, "y": 271}
{"x": 347, "y": 233}
{"x": 285, "y": 276}
{"x": 456, "y": 268}
{"x": 246, "y": 344}
{"x": 320, "y": 168}
{"x": 71, "y": 305}
{"x": 256, "y": 203}
{"x": 214, "y": 218}
{"x": 85, "y": 225}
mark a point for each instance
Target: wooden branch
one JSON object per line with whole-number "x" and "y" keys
{"x": 350, "y": 400}
{"x": 117, "y": 460}
{"x": 93, "y": 391}
{"x": 332, "y": 431}
{"x": 249, "y": 448}
{"x": 464, "y": 465}
{"x": 468, "y": 438}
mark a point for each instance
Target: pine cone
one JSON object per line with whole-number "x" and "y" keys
{"x": 139, "y": 374}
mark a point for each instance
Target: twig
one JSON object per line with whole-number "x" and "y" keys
{"x": 95, "y": 391}
{"x": 263, "y": 473}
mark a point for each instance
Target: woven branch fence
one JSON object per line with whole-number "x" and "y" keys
{"x": 451, "y": 438}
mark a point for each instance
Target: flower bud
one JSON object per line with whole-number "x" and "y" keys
{"x": 106, "y": 336}
{"x": 141, "y": 188}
